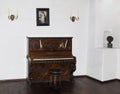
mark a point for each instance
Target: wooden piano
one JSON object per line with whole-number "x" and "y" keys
{"x": 45, "y": 53}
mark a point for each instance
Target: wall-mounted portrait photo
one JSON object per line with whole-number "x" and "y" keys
{"x": 42, "y": 16}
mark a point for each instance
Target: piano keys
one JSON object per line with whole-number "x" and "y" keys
{"x": 45, "y": 53}
{"x": 39, "y": 59}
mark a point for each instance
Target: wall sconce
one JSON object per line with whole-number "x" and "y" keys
{"x": 11, "y": 16}
{"x": 73, "y": 18}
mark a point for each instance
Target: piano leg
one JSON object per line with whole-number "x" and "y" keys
{"x": 73, "y": 68}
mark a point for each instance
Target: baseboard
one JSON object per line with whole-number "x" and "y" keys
{"x": 76, "y": 76}
{"x": 86, "y": 76}
{"x": 13, "y": 80}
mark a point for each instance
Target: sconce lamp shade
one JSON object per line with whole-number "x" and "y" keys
{"x": 73, "y": 18}
{"x": 11, "y": 17}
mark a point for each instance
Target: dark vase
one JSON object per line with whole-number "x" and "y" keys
{"x": 110, "y": 39}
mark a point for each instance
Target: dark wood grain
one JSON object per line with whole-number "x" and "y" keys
{"x": 81, "y": 85}
{"x": 47, "y": 48}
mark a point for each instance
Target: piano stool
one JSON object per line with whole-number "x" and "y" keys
{"x": 55, "y": 78}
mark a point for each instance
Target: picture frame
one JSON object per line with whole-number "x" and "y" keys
{"x": 42, "y": 16}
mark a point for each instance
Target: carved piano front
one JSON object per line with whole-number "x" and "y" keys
{"x": 45, "y": 53}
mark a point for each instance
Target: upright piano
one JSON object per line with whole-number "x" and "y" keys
{"x": 45, "y": 53}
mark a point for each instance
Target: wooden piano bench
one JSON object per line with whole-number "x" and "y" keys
{"x": 55, "y": 78}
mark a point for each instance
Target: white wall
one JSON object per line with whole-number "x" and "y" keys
{"x": 107, "y": 19}
{"x": 118, "y": 65}
{"x": 13, "y": 33}
{"x": 95, "y": 17}
{"x": 103, "y": 63}
{"x": 94, "y": 56}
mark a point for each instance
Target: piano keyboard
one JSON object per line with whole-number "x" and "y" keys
{"x": 38, "y": 59}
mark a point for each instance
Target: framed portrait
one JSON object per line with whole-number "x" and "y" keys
{"x": 42, "y": 15}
